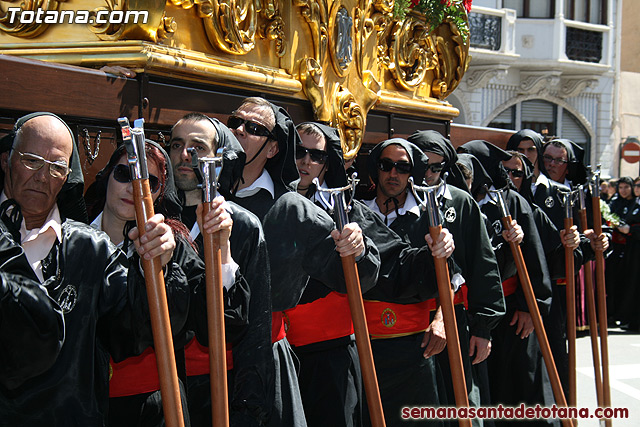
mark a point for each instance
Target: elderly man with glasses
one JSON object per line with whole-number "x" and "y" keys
{"x": 104, "y": 303}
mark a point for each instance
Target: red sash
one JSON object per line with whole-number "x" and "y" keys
{"x": 197, "y": 358}
{"x": 278, "y": 330}
{"x": 134, "y": 375}
{"x": 321, "y": 320}
{"x": 459, "y": 297}
{"x": 510, "y": 285}
{"x": 389, "y": 320}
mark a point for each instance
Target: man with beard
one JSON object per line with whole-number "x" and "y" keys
{"x": 301, "y": 238}
{"x": 250, "y": 371}
{"x": 398, "y": 314}
{"x": 104, "y": 304}
{"x": 320, "y": 326}
{"x": 516, "y": 370}
{"x": 474, "y": 255}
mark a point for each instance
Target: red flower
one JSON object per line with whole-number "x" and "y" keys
{"x": 414, "y": 3}
{"x": 467, "y": 4}
{"x": 446, "y": 2}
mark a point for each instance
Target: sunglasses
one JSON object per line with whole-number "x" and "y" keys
{"x": 517, "y": 173}
{"x": 636, "y": 185}
{"x": 34, "y": 162}
{"x": 234, "y": 122}
{"x": 317, "y": 156}
{"x": 435, "y": 167}
{"x": 403, "y": 168}
{"x": 554, "y": 160}
{"x": 121, "y": 173}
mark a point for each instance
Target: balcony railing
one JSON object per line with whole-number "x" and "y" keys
{"x": 486, "y": 31}
{"x": 583, "y": 45}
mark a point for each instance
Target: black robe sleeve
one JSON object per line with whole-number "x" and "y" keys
{"x": 474, "y": 254}
{"x": 31, "y": 323}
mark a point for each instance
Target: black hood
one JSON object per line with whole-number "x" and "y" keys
{"x": 577, "y": 171}
{"x": 491, "y": 157}
{"x": 433, "y": 142}
{"x": 282, "y": 167}
{"x": 527, "y": 179}
{"x": 480, "y": 175}
{"x": 70, "y": 199}
{"x": 335, "y": 176}
{"x": 168, "y": 203}
{"x": 534, "y": 136}
{"x": 418, "y": 159}
{"x": 233, "y": 156}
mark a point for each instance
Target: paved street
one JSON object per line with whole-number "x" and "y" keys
{"x": 624, "y": 371}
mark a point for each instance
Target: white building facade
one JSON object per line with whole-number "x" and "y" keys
{"x": 547, "y": 65}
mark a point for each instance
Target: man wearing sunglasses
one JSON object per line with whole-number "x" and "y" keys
{"x": 399, "y": 316}
{"x": 474, "y": 254}
{"x": 104, "y": 304}
{"x": 301, "y": 238}
{"x": 252, "y": 359}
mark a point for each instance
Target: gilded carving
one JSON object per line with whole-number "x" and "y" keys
{"x": 341, "y": 38}
{"x": 312, "y": 79}
{"x": 412, "y": 52}
{"x": 350, "y": 120}
{"x": 453, "y": 59}
{"x": 316, "y": 14}
{"x": 273, "y": 29}
{"x": 26, "y": 30}
{"x": 230, "y": 25}
{"x": 155, "y": 23}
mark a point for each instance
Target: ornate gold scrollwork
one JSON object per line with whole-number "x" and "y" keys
{"x": 350, "y": 120}
{"x": 21, "y": 28}
{"x": 453, "y": 59}
{"x": 274, "y": 28}
{"x": 230, "y": 25}
{"x": 157, "y": 24}
{"x": 412, "y": 52}
{"x": 313, "y": 86}
{"x": 316, "y": 14}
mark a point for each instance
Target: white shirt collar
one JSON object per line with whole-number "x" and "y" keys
{"x": 317, "y": 197}
{"x": 487, "y": 198}
{"x": 54, "y": 221}
{"x": 264, "y": 181}
{"x": 410, "y": 205}
{"x": 541, "y": 180}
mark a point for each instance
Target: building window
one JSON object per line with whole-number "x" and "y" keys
{"x": 531, "y": 8}
{"x": 486, "y": 31}
{"x": 505, "y": 120}
{"x": 583, "y": 45}
{"x": 592, "y": 11}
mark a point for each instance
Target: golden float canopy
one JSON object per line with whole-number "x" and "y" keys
{"x": 345, "y": 56}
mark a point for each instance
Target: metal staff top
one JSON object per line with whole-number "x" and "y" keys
{"x": 430, "y": 201}
{"x": 568, "y": 200}
{"x": 338, "y": 204}
{"x": 134, "y": 143}
{"x": 594, "y": 181}
{"x": 582, "y": 199}
{"x": 498, "y": 197}
{"x": 207, "y": 170}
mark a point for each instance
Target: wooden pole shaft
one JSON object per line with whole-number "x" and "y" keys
{"x": 591, "y": 315}
{"x": 571, "y": 315}
{"x": 159, "y": 313}
{"x": 370, "y": 379}
{"x": 445, "y": 294}
{"x": 215, "y": 326}
{"x": 602, "y": 309}
{"x": 527, "y": 289}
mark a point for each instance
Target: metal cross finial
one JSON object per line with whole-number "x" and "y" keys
{"x": 568, "y": 199}
{"x": 207, "y": 170}
{"x": 429, "y": 203}
{"x": 134, "y": 143}
{"x": 498, "y": 197}
{"x": 594, "y": 180}
{"x": 337, "y": 203}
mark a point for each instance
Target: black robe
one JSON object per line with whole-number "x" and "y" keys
{"x": 630, "y": 270}
{"x": 31, "y": 323}
{"x": 106, "y": 314}
{"x": 299, "y": 246}
{"x": 251, "y": 379}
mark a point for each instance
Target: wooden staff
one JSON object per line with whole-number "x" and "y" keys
{"x": 354, "y": 296}
{"x": 527, "y": 288}
{"x": 154, "y": 277}
{"x": 567, "y": 202}
{"x": 591, "y": 303}
{"x": 602, "y": 297}
{"x": 207, "y": 169}
{"x": 445, "y": 294}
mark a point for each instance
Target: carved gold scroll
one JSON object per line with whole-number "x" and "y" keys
{"x": 345, "y": 57}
